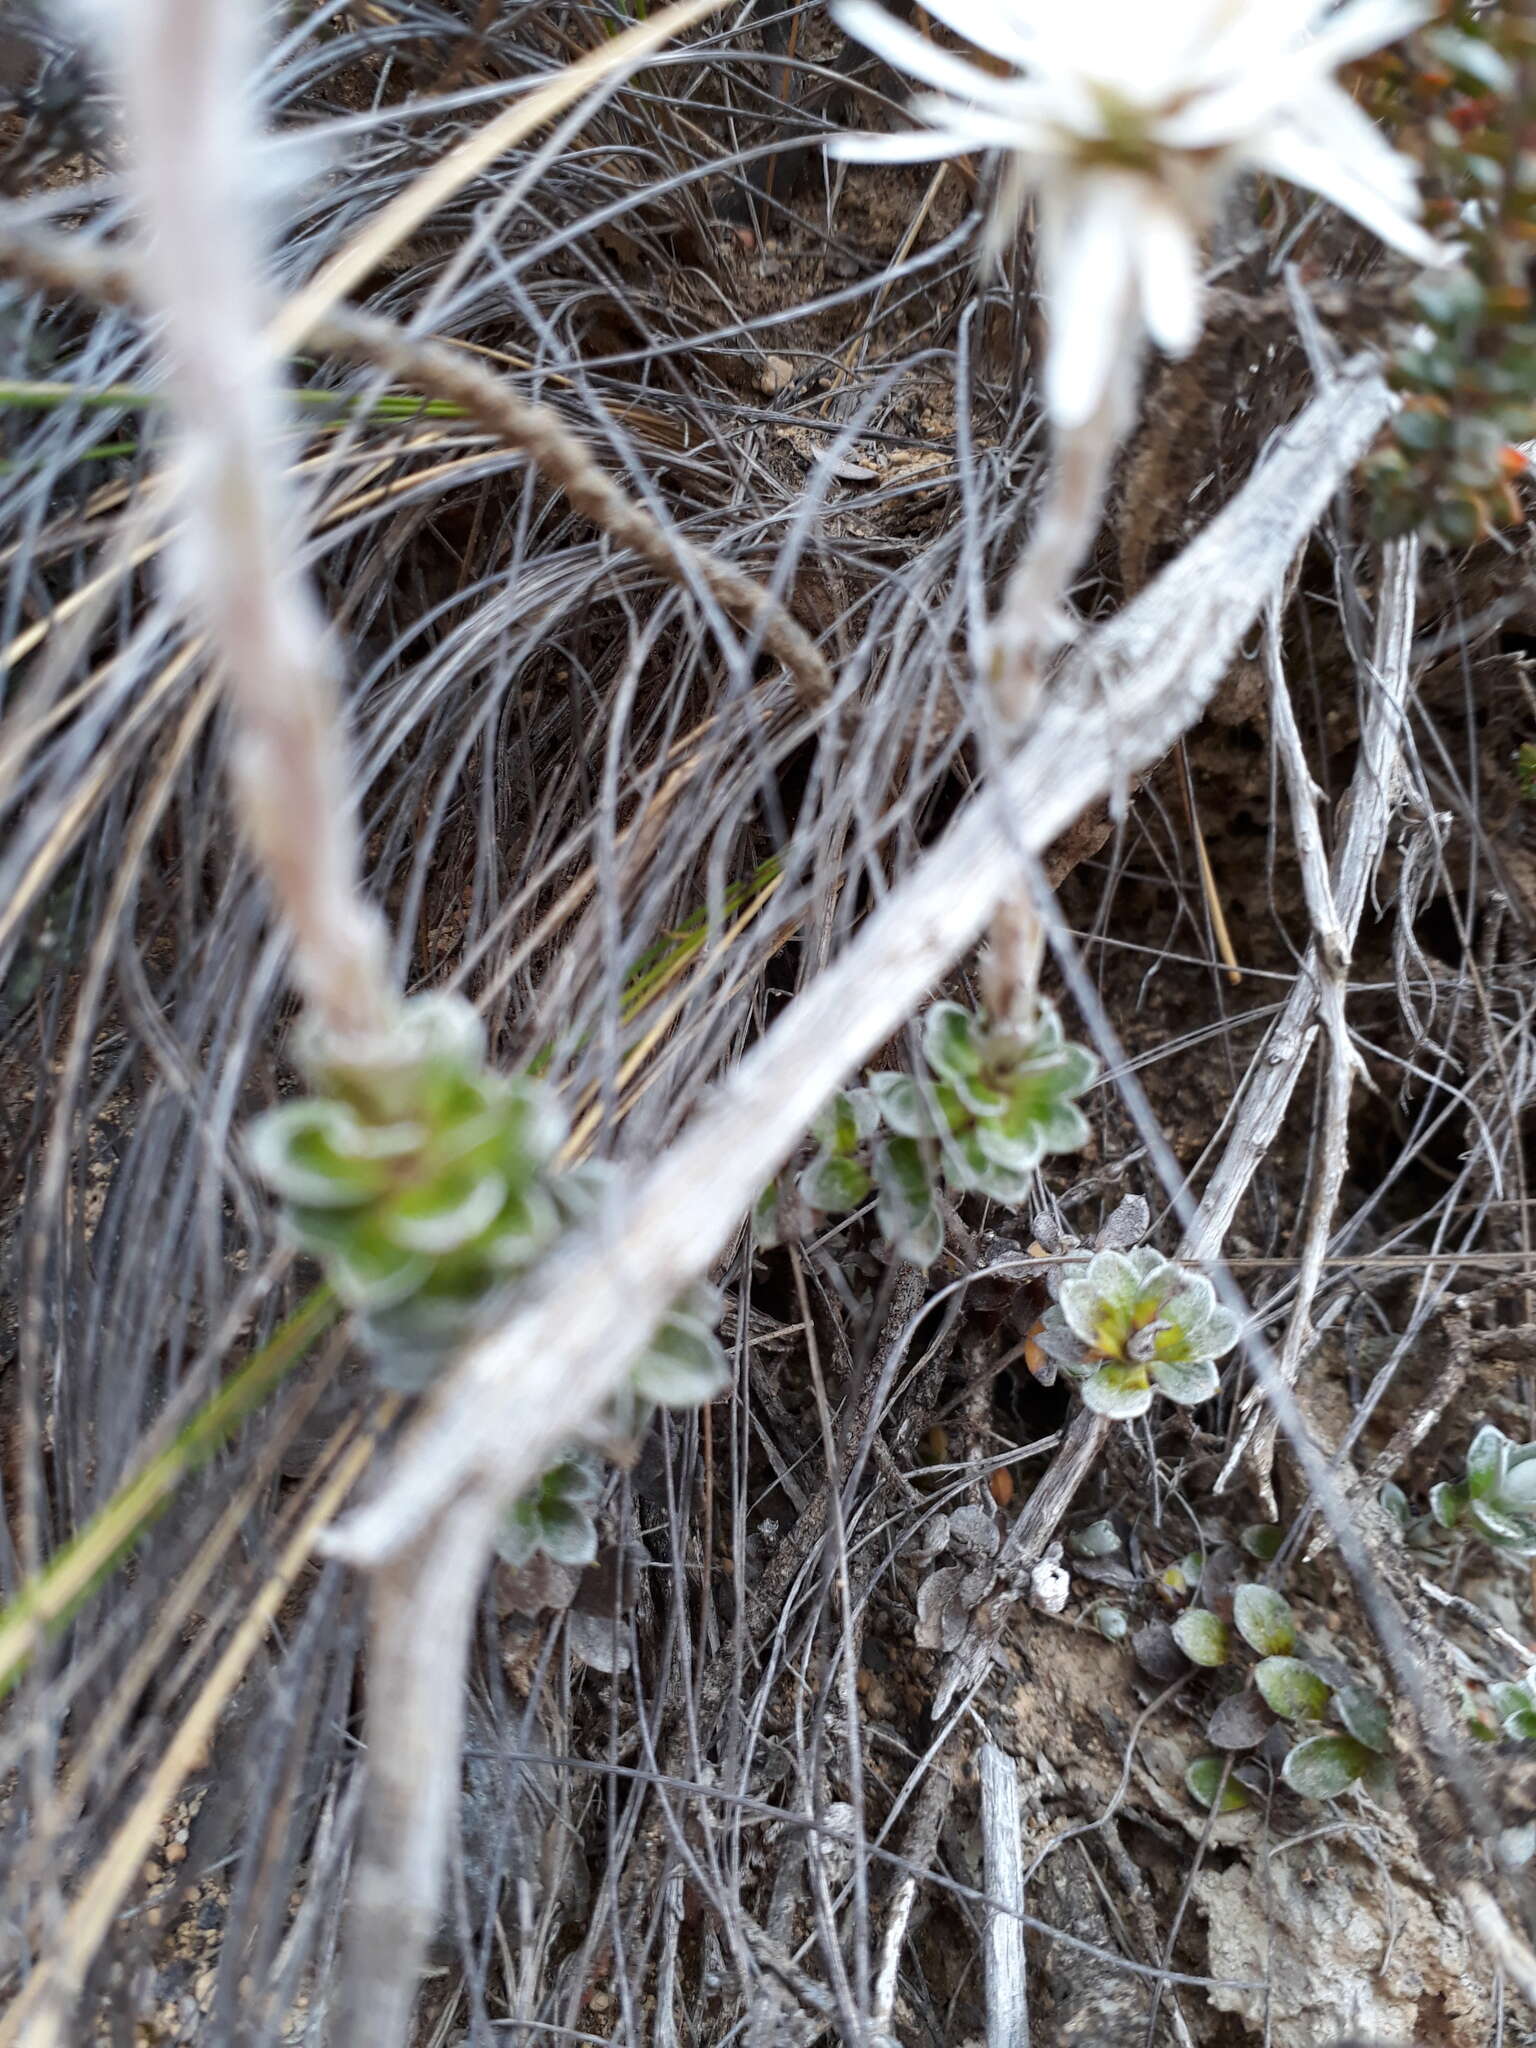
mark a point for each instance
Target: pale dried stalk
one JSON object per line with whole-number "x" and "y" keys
{"x": 528, "y": 1388}
{"x": 185, "y": 68}
{"x": 1002, "y": 1837}
{"x": 1336, "y": 903}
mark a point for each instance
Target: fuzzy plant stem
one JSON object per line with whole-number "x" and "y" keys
{"x": 197, "y": 170}
{"x": 1034, "y": 621}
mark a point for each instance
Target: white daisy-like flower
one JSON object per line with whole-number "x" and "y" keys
{"x": 1127, "y": 119}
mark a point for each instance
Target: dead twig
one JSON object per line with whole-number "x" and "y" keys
{"x": 1002, "y": 1845}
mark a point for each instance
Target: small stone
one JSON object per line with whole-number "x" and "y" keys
{"x": 176, "y": 1852}
{"x": 152, "y": 1873}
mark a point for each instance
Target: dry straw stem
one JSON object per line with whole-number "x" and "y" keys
{"x": 1002, "y": 1835}
{"x": 537, "y": 431}
{"x": 1117, "y": 706}
{"x": 40, "y": 2016}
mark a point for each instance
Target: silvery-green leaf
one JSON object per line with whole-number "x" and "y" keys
{"x": 1204, "y": 1780}
{"x": 848, "y": 1118}
{"x": 1447, "y": 1504}
{"x": 1098, "y": 1539}
{"x": 1325, "y": 1765}
{"x": 1264, "y": 1621}
{"x": 908, "y": 1214}
{"x": 1486, "y": 1460}
{"x": 1112, "y": 1623}
{"x": 1262, "y": 1540}
{"x": 833, "y": 1184}
{"x": 765, "y": 1217}
{"x": 1202, "y": 1637}
{"x": 370, "y": 1274}
{"x": 1518, "y": 1488}
{"x": 1061, "y": 1343}
{"x": 1394, "y": 1504}
{"x": 1194, "y": 1380}
{"x": 1020, "y": 1154}
{"x": 1188, "y": 1302}
{"x": 900, "y": 1102}
{"x": 445, "y": 1216}
{"x": 1292, "y": 1689}
{"x": 1364, "y": 1716}
{"x": 525, "y": 1225}
{"x": 683, "y": 1366}
{"x": 314, "y": 1152}
{"x": 952, "y": 1042}
{"x": 567, "y": 1533}
{"x": 517, "y": 1538}
{"x": 1121, "y": 1392}
{"x": 1065, "y": 1129}
{"x": 1511, "y": 1533}
{"x": 1517, "y": 1713}
{"x": 535, "y": 1126}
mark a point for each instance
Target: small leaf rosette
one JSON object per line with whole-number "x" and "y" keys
{"x": 1497, "y": 1498}
{"x": 1006, "y": 1098}
{"x": 1126, "y": 1323}
{"x": 420, "y": 1177}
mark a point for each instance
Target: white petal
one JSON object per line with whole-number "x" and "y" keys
{"x": 1020, "y": 128}
{"x": 1087, "y": 256}
{"x": 1289, "y": 154}
{"x": 1007, "y": 30}
{"x": 904, "y": 48}
{"x": 911, "y": 146}
{"x": 1168, "y": 265}
{"x": 1329, "y": 117}
{"x": 1255, "y": 83}
{"x": 1362, "y": 26}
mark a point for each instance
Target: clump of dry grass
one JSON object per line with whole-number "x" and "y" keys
{"x": 709, "y": 1791}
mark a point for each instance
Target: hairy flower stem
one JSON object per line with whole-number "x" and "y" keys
{"x": 185, "y": 68}
{"x": 1034, "y": 622}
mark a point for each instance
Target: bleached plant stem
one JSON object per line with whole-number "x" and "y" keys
{"x": 1329, "y": 957}
{"x": 1035, "y": 621}
{"x": 186, "y": 68}
{"x": 1336, "y": 902}
{"x": 1002, "y": 1837}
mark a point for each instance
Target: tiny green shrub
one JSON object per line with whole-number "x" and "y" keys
{"x": 1460, "y": 99}
{"x": 990, "y": 1103}
{"x": 427, "y": 1186}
